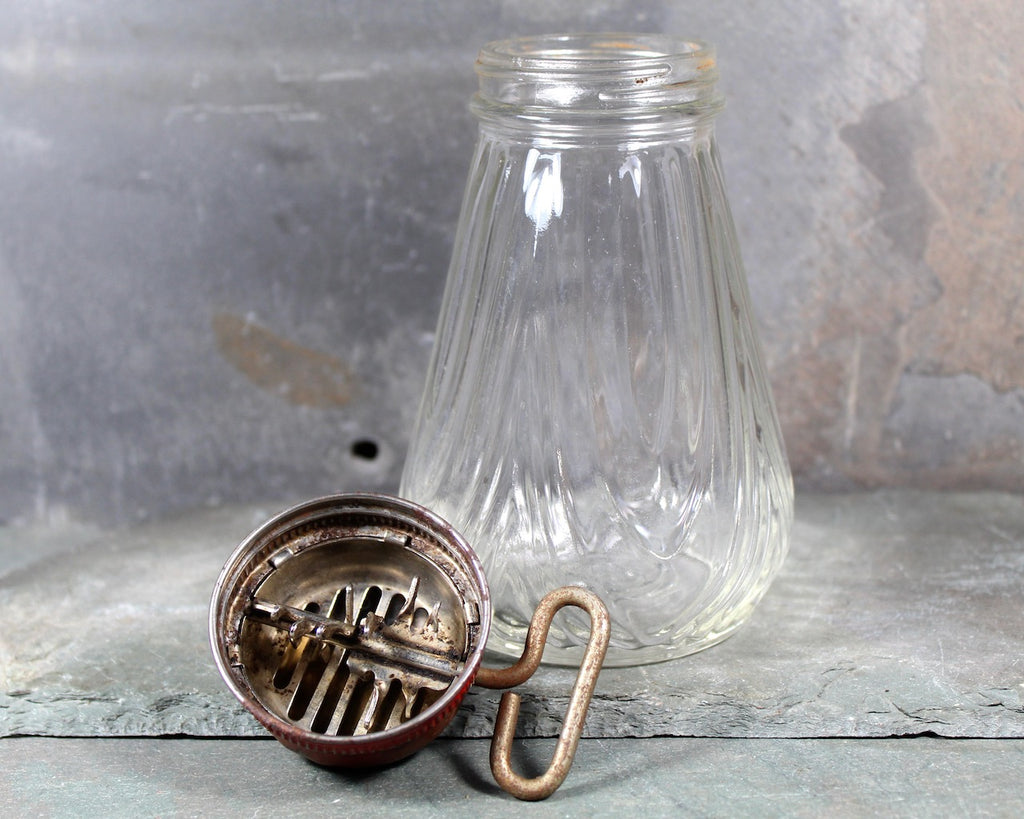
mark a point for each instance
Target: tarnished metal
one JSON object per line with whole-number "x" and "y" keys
{"x": 352, "y": 626}
{"x": 543, "y": 786}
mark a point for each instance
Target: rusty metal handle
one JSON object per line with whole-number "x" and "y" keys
{"x": 547, "y": 783}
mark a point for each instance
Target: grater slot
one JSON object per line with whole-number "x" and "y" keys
{"x": 355, "y": 706}
{"x": 310, "y": 670}
{"x": 329, "y": 694}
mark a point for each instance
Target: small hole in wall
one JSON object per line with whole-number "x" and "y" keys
{"x": 365, "y": 449}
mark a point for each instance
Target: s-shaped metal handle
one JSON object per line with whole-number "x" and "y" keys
{"x": 547, "y": 783}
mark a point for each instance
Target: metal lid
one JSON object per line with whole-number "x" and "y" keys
{"x": 351, "y": 626}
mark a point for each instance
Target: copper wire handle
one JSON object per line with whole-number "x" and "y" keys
{"x": 547, "y": 783}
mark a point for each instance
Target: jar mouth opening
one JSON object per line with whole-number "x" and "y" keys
{"x": 599, "y": 72}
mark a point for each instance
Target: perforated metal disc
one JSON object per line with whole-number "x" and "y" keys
{"x": 351, "y": 626}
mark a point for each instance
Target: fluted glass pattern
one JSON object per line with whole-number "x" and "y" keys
{"x": 596, "y": 410}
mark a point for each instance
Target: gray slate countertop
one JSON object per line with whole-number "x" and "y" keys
{"x": 896, "y": 614}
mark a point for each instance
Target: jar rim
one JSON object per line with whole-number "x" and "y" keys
{"x": 599, "y": 72}
{"x": 589, "y": 51}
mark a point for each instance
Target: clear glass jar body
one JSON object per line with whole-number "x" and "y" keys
{"x": 596, "y": 411}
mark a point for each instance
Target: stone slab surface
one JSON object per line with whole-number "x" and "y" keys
{"x": 897, "y": 613}
{"x": 921, "y": 777}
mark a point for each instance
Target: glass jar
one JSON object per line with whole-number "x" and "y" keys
{"x": 596, "y": 410}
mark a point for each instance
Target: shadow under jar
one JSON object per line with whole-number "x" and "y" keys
{"x": 596, "y": 410}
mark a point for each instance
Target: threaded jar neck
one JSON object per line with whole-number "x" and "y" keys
{"x": 570, "y": 78}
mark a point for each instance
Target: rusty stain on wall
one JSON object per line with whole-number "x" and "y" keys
{"x": 964, "y": 351}
{"x": 975, "y": 70}
{"x": 275, "y": 364}
{"x": 918, "y": 311}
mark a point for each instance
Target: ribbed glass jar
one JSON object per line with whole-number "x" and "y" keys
{"x": 596, "y": 411}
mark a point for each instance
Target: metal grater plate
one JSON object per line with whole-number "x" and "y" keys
{"x": 351, "y": 627}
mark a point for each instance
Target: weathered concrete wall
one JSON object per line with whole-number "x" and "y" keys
{"x": 225, "y": 227}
